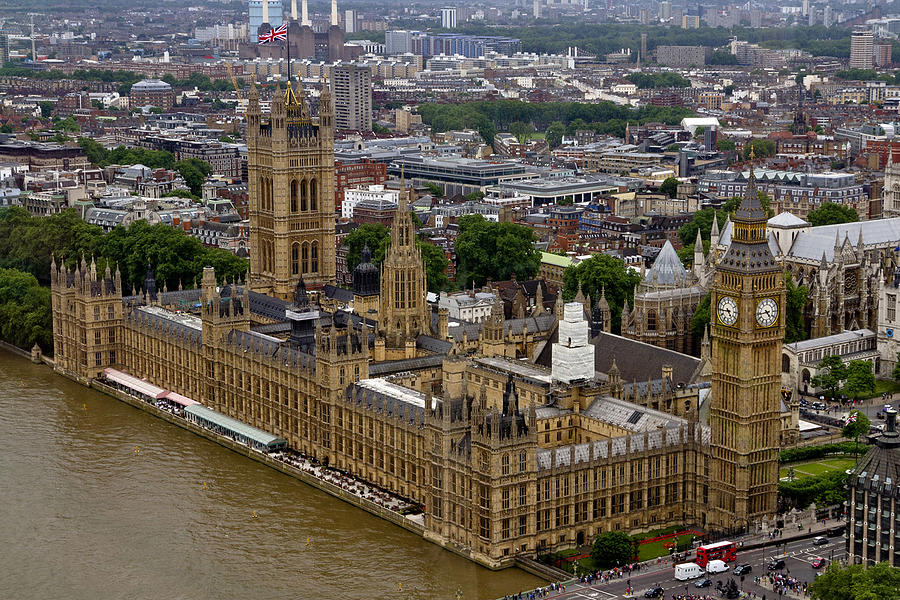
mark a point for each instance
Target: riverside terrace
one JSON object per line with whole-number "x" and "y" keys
{"x": 186, "y": 410}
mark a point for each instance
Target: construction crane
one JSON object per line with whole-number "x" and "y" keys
{"x": 236, "y": 88}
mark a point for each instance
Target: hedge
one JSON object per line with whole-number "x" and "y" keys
{"x": 810, "y": 452}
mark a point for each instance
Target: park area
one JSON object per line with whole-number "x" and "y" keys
{"x": 817, "y": 467}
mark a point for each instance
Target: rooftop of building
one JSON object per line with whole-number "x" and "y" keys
{"x": 828, "y": 340}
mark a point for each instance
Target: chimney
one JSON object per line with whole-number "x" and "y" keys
{"x": 265, "y": 12}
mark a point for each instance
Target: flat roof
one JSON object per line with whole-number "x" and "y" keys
{"x": 185, "y": 319}
{"x": 138, "y": 385}
{"x": 393, "y": 390}
{"x": 556, "y": 260}
{"x": 257, "y": 435}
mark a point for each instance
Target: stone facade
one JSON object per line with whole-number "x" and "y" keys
{"x": 290, "y": 166}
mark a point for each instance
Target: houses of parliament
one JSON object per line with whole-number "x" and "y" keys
{"x": 507, "y": 456}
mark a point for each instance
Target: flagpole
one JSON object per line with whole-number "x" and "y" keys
{"x": 287, "y": 41}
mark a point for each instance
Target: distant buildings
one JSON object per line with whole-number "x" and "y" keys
{"x": 352, "y": 97}
{"x": 682, "y": 56}
{"x": 275, "y": 16}
{"x": 861, "y": 49}
{"x": 434, "y": 44}
{"x": 448, "y": 18}
{"x": 152, "y": 92}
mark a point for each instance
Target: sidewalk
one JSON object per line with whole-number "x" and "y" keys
{"x": 789, "y": 534}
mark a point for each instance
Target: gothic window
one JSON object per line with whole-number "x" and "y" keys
{"x": 96, "y": 313}
{"x": 295, "y": 259}
{"x": 651, "y": 320}
{"x": 294, "y": 195}
{"x": 305, "y": 257}
{"x": 313, "y": 194}
{"x": 314, "y": 257}
{"x": 304, "y": 195}
{"x": 505, "y": 464}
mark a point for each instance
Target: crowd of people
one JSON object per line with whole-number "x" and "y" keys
{"x": 344, "y": 481}
{"x": 784, "y": 584}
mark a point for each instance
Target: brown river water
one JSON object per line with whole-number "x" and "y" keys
{"x": 84, "y": 516}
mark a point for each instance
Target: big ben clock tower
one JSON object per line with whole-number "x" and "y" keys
{"x": 747, "y": 310}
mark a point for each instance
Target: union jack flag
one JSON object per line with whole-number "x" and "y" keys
{"x": 851, "y": 418}
{"x": 276, "y": 34}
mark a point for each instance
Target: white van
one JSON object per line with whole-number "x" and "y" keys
{"x": 686, "y": 571}
{"x": 716, "y": 566}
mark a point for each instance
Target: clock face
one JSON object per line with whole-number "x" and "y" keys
{"x": 727, "y": 310}
{"x": 766, "y": 312}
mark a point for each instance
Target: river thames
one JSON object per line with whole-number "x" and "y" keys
{"x": 103, "y": 501}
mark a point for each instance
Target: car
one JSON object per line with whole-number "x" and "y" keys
{"x": 819, "y": 406}
{"x": 804, "y": 402}
{"x": 820, "y": 540}
{"x": 836, "y": 530}
{"x": 743, "y": 569}
{"x": 776, "y": 565}
{"x": 818, "y": 562}
{"x": 654, "y": 592}
{"x": 703, "y": 583}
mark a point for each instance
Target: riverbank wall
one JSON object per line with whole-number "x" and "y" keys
{"x": 328, "y": 488}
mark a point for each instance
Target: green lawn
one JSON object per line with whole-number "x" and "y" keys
{"x": 654, "y": 549}
{"x": 818, "y": 467}
{"x": 886, "y": 385}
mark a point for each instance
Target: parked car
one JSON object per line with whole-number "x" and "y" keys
{"x": 654, "y": 592}
{"x": 743, "y": 569}
{"x": 819, "y": 406}
{"x": 776, "y": 565}
{"x": 820, "y": 540}
{"x": 818, "y": 562}
{"x": 804, "y": 402}
{"x": 703, "y": 583}
{"x": 836, "y": 530}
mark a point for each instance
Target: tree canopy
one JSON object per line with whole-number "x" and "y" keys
{"x": 831, "y": 372}
{"x": 667, "y": 79}
{"x": 701, "y": 220}
{"x": 761, "y": 148}
{"x": 831, "y": 214}
{"x": 101, "y": 157}
{"x": 27, "y": 242}
{"x": 669, "y": 187}
{"x": 25, "y": 315}
{"x": 795, "y": 323}
{"x": 194, "y": 172}
{"x": 859, "y": 426}
{"x": 489, "y": 117}
{"x": 605, "y": 272}
{"x": 860, "y": 379}
{"x": 856, "y": 582}
{"x": 378, "y": 238}
{"x": 493, "y": 251}
{"x": 612, "y": 549}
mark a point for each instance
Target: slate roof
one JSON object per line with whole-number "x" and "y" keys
{"x": 636, "y": 361}
{"x": 879, "y": 470}
{"x": 811, "y": 244}
{"x": 667, "y": 267}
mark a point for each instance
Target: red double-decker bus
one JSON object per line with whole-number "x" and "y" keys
{"x": 726, "y": 551}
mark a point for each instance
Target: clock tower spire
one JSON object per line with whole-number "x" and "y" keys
{"x": 747, "y": 303}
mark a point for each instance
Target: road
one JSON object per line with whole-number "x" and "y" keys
{"x": 798, "y": 555}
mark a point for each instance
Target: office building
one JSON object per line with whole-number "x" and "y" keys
{"x": 275, "y": 14}
{"x": 352, "y": 97}
{"x": 350, "y": 21}
{"x": 681, "y": 56}
{"x": 861, "y": 49}
{"x": 448, "y": 18}
{"x": 665, "y": 10}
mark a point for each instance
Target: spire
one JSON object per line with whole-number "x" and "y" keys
{"x": 579, "y": 297}
{"x": 714, "y": 232}
{"x": 698, "y": 243}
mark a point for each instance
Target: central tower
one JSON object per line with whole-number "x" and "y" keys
{"x": 290, "y": 165}
{"x": 747, "y": 306}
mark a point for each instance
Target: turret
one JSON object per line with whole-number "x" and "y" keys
{"x": 326, "y": 112}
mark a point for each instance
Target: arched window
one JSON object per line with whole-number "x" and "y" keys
{"x": 294, "y": 196}
{"x": 651, "y": 320}
{"x": 295, "y": 259}
{"x": 261, "y": 192}
{"x": 314, "y": 258}
{"x": 313, "y": 195}
{"x": 785, "y": 363}
{"x": 304, "y": 194}
{"x": 304, "y": 252}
